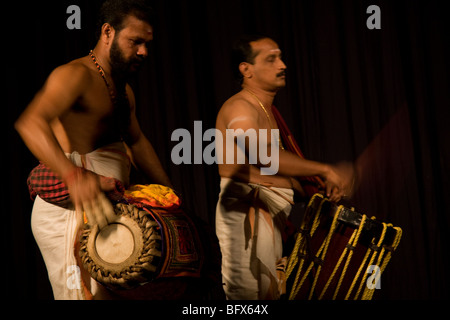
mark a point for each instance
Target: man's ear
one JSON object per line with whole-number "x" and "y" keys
{"x": 107, "y": 33}
{"x": 245, "y": 69}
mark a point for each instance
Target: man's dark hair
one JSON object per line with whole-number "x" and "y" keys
{"x": 114, "y": 12}
{"x": 242, "y": 52}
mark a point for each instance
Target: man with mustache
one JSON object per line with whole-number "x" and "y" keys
{"x": 82, "y": 126}
{"x": 253, "y": 207}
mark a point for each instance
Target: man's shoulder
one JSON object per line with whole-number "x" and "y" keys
{"x": 75, "y": 70}
{"x": 237, "y": 109}
{"x": 238, "y": 104}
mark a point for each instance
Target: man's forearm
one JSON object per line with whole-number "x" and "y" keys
{"x": 293, "y": 166}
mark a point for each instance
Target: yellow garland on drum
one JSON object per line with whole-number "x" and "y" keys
{"x": 157, "y": 196}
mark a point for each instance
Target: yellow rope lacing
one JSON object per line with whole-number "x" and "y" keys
{"x": 352, "y": 243}
{"x": 374, "y": 254}
{"x": 293, "y": 258}
{"x": 300, "y": 251}
{"x": 382, "y": 261}
{"x": 324, "y": 249}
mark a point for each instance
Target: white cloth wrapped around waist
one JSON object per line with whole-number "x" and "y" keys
{"x": 251, "y": 243}
{"x": 54, "y": 228}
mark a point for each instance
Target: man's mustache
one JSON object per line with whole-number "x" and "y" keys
{"x": 138, "y": 61}
{"x": 282, "y": 73}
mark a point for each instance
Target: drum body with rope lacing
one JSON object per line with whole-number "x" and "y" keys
{"x": 339, "y": 253}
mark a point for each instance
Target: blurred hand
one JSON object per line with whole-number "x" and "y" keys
{"x": 340, "y": 181}
{"x": 86, "y": 192}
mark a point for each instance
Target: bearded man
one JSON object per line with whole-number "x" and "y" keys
{"x": 82, "y": 126}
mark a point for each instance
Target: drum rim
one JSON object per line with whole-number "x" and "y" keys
{"x": 352, "y": 218}
{"x": 147, "y": 257}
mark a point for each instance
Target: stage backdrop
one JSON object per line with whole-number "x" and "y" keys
{"x": 379, "y": 96}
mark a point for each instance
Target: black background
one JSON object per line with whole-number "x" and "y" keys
{"x": 350, "y": 90}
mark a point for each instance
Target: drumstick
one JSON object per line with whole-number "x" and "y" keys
{"x": 107, "y": 208}
{"x": 385, "y": 163}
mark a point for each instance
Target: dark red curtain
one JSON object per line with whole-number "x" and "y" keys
{"x": 379, "y": 97}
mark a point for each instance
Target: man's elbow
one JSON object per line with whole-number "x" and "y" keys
{"x": 27, "y": 125}
{"x": 20, "y": 124}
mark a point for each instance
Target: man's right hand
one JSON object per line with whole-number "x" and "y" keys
{"x": 86, "y": 192}
{"x": 340, "y": 181}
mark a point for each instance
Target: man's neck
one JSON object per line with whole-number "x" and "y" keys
{"x": 102, "y": 56}
{"x": 103, "y": 59}
{"x": 264, "y": 96}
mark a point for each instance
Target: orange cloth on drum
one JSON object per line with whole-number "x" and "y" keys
{"x": 154, "y": 195}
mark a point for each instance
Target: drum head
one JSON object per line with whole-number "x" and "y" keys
{"x": 124, "y": 254}
{"x": 116, "y": 246}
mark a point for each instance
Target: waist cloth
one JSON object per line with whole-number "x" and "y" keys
{"x": 249, "y": 220}
{"x": 54, "y": 227}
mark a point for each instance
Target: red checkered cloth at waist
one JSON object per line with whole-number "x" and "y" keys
{"x": 46, "y": 184}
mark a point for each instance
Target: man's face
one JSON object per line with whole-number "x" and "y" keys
{"x": 268, "y": 68}
{"x": 129, "y": 47}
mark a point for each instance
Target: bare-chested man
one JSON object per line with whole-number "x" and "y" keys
{"x": 251, "y": 243}
{"x": 83, "y": 117}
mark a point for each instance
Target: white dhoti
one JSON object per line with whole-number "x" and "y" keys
{"x": 249, "y": 221}
{"x": 54, "y": 227}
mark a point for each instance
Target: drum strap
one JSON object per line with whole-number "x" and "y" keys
{"x": 311, "y": 185}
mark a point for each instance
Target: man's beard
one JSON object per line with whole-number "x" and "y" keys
{"x": 121, "y": 68}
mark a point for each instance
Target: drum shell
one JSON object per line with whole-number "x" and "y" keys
{"x": 348, "y": 222}
{"x": 191, "y": 283}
